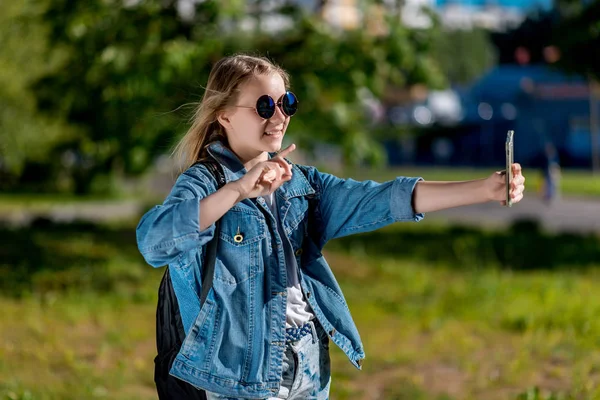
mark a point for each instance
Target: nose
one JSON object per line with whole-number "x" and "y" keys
{"x": 279, "y": 117}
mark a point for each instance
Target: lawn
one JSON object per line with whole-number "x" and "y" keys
{"x": 444, "y": 313}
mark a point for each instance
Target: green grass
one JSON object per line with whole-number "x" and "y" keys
{"x": 77, "y": 346}
{"x": 487, "y": 334}
{"x": 444, "y": 313}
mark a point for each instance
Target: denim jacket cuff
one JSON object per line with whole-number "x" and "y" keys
{"x": 401, "y": 201}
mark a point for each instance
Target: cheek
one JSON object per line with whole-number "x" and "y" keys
{"x": 247, "y": 122}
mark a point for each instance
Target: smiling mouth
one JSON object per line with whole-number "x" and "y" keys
{"x": 274, "y": 133}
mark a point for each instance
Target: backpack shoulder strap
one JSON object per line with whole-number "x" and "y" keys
{"x": 208, "y": 270}
{"x": 215, "y": 169}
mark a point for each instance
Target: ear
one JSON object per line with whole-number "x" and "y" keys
{"x": 223, "y": 118}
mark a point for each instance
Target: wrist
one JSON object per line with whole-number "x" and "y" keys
{"x": 237, "y": 189}
{"x": 489, "y": 189}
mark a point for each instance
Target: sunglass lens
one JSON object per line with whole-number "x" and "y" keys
{"x": 289, "y": 103}
{"x": 265, "y": 106}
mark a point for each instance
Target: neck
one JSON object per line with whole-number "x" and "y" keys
{"x": 250, "y": 157}
{"x": 250, "y": 163}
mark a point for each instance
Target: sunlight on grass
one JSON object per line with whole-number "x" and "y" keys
{"x": 435, "y": 323}
{"x": 494, "y": 333}
{"x": 77, "y": 346}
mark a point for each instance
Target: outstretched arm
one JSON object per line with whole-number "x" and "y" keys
{"x": 435, "y": 196}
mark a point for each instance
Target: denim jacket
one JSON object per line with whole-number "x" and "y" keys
{"x": 235, "y": 342}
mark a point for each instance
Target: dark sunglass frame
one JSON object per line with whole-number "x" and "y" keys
{"x": 265, "y": 105}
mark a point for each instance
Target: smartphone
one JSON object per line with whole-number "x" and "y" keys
{"x": 509, "y": 162}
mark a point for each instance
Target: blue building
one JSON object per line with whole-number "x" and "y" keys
{"x": 542, "y": 105}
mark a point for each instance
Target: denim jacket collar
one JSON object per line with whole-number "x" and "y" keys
{"x": 234, "y": 169}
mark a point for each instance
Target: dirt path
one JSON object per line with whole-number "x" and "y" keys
{"x": 567, "y": 215}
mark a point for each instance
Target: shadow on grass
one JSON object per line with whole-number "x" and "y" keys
{"x": 48, "y": 256}
{"x": 524, "y": 246}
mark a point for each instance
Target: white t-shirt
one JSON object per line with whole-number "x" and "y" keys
{"x": 297, "y": 310}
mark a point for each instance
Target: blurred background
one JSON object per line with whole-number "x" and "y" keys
{"x": 479, "y": 302}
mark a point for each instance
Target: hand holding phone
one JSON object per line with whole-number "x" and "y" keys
{"x": 509, "y": 162}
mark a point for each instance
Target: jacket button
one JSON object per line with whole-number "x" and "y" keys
{"x": 238, "y": 238}
{"x": 299, "y": 252}
{"x": 332, "y": 332}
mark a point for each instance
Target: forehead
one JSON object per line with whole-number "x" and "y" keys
{"x": 271, "y": 84}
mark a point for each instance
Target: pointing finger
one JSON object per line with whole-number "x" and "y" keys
{"x": 283, "y": 153}
{"x": 283, "y": 164}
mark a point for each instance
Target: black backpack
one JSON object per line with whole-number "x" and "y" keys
{"x": 169, "y": 326}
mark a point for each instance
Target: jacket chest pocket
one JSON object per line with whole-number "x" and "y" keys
{"x": 240, "y": 240}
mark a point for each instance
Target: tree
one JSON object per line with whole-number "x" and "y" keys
{"x": 572, "y": 27}
{"x": 464, "y": 54}
{"x": 578, "y": 37}
{"x": 533, "y": 35}
{"x": 121, "y": 65}
{"x": 21, "y": 141}
{"x": 125, "y": 66}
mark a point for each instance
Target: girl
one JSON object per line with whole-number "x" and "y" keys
{"x": 274, "y": 305}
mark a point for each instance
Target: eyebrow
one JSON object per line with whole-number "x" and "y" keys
{"x": 276, "y": 97}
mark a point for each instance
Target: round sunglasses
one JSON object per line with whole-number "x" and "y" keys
{"x": 265, "y": 105}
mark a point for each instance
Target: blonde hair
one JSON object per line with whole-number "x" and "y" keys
{"x": 222, "y": 91}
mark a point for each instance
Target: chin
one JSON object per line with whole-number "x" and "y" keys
{"x": 275, "y": 147}
{"x": 272, "y": 145}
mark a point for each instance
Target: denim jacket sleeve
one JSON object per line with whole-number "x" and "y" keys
{"x": 348, "y": 206}
{"x": 172, "y": 228}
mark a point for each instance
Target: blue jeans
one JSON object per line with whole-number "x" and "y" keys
{"x": 306, "y": 368}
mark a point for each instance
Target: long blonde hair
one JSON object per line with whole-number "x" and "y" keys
{"x": 222, "y": 91}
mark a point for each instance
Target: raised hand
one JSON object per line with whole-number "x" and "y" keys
{"x": 265, "y": 177}
{"x": 497, "y": 185}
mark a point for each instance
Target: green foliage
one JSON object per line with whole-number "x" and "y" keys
{"x": 576, "y": 36}
{"x": 125, "y": 67}
{"x": 572, "y": 27}
{"x": 25, "y": 136}
{"x": 534, "y": 34}
{"x": 464, "y": 55}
